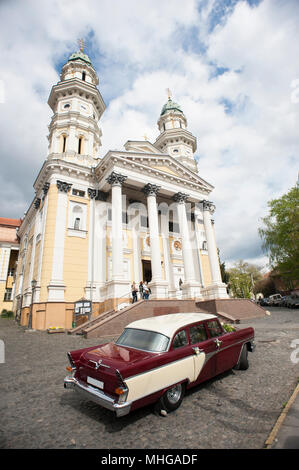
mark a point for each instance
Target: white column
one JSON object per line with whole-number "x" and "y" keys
{"x": 167, "y": 259}
{"x": 191, "y": 287}
{"x": 218, "y": 288}
{"x": 134, "y": 224}
{"x": 118, "y": 285}
{"x": 151, "y": 191}
{"x": 212, "y": 249}
{"x": 158, "y": 285}
{"x": 56, "y": 287}
{"x": 42, "y": 242}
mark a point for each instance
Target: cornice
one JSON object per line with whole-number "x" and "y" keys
{"x": 74, "y": 86}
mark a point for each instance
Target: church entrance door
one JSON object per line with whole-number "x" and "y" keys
{"x": 146, "y": 270}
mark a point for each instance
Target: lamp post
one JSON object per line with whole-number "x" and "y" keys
{"x": 33, "y": 286}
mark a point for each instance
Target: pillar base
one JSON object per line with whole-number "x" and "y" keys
{"x": 56, "y": 290}
{"x": 118, "y": 288}
{"x": 191, "y": 290}
{"x": 159, "y": 289}
{"x": 215, "y": 291}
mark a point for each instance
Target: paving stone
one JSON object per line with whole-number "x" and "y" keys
{"x": 235, "y": 410}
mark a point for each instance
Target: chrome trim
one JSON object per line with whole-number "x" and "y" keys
{"x": 99, "y": 397}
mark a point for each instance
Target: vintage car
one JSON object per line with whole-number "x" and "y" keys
{"x": 156, "y": 359}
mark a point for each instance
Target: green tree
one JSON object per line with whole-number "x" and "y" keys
{"x": 280, "y": 234}
{"x": 242, "y": 278}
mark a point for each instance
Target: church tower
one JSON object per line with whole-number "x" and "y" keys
{"x": 174, "y": 137}
{"x": 77, "y": 105}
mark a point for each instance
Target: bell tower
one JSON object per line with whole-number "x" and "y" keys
{"x": 174, "y": 137}
{"x": 77, "y": 105}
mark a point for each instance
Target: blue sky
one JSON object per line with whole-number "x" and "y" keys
{"x": 232, "y": 65}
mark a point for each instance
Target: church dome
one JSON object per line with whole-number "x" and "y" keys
{"x": 80, "y": 55}
{"x": 171, "y": 106}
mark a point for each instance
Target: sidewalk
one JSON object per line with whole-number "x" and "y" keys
{"x": 285, "y": 434}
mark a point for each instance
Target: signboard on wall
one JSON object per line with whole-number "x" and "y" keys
{"x": 82, "y": 307}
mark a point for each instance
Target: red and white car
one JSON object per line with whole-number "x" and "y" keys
{"x": 156, "y": 359}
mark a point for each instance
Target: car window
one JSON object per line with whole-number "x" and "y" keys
{"x": 197, "y": 334}
{"x": 180, "y": 340}
{"x": 143, "y": 339}
{"x": 214, "y": 328}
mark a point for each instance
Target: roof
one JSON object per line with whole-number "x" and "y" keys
{"x": 171, "y": 106}
{"x": 169, "y": 324}
{"x": 10, "y": 222}
{"x": 80, "y": 55}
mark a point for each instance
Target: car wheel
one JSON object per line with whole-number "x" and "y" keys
{"x": 173, "y": 397}
{"x": 243, "y": 362}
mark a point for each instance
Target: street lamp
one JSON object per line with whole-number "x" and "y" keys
{"x": 33, "y": 286}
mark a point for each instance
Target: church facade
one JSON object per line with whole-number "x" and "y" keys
{"x": 96, "y": 224}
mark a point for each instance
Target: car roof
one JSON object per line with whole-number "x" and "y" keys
{"x": 168, "y": 324}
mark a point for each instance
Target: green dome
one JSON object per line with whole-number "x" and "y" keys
{"x": 81, "y": 56}
{"x": 171, "y": 106}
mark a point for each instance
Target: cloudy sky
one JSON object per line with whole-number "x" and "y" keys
{"x": 232, "y": 65}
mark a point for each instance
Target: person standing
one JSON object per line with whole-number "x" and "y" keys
{"x": 146, "y": 291}
{"x": 134, "y": 292}
{"x": 141, "y": 290}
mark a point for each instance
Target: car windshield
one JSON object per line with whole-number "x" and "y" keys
{"x": 143, "y": 339}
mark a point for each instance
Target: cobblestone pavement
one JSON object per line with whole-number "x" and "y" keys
{"x": 235, "y": 410}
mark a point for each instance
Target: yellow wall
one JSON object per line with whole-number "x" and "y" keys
{"x": 206, "y": 271}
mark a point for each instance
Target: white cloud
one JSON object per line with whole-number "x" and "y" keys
{"x": 245, "y": 119}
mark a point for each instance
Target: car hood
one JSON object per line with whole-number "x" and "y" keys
{"x": 115, "y": 356}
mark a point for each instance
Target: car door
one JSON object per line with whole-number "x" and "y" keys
{"x": 204, "y": 357}
{"x": 226, "y": 349}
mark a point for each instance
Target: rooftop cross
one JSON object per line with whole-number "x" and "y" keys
{"x": 81, "y": 44}
{"x": 168, "y": 93}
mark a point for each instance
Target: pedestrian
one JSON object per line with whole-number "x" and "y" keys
{"x": 146, "y": 291}
{"x": 141, "y": 290}
{"x": 134, "y": 292}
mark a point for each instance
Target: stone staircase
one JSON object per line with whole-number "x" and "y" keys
{"x": 112, "y": 322}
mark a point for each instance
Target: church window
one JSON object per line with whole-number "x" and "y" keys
{"x": 78, "y": 192}
{"x": 66, "y": 106}
{"x": 144, "y": 221}
{"x": 80, "y": 145}
{"x": 204, "y": 245}
{"x": 124, "y": 217}
{"x": 77, "y": 223}
{"x": 63, "y": 143}
{"x": 83, "y": 76}
{"x": 164, "y": 127}
{"x": 175, "y": 150}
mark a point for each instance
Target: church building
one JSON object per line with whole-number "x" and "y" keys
{"x": 98, "y": 224}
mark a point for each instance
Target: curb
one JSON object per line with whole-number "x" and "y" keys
{"x": 273, "y": 434}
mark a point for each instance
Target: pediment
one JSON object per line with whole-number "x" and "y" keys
{"x": 142, "y": 146}
{"x": 164, "y": 164}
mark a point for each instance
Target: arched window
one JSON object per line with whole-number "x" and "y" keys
{"x": 77, "y": 223}
{"x": 83, "y": 76}
{"x": 77, "y": 217}
{"x": 204, "y": 245}
{"x": 80, "y": 145}
{"x": 63, "y": 143}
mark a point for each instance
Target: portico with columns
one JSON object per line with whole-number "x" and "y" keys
{"x": 97, "y": 224}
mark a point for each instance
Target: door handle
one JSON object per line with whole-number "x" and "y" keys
{"x": 197, "y": 351}
{"x": 218, "y": 342}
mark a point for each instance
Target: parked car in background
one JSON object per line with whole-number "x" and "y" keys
{"x": 156, "y": 359}
{"x": 275, "y": 300}
{"x": 292, "y": 301}
{"x": 264, "y": 302}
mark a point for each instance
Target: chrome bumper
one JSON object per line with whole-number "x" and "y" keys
{"x": 91, "y": 393}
